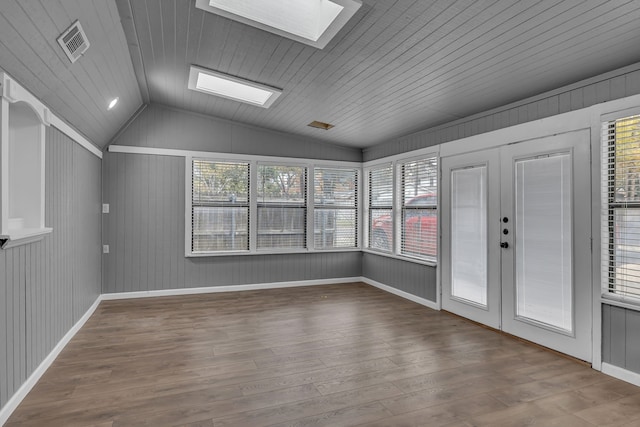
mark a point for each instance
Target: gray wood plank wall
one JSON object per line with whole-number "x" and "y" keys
{"x": 164, "y": 127}
{"x": 621, "y": 337}
{"x": 416, "y": 279}
{"x": 45, "y": 287}
{"x": 145, "y": 232}
{"x": 619, "y": 84}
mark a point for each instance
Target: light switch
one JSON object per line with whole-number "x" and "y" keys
{"x": 105, "y": 208}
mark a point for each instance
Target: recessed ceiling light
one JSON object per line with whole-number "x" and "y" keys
{"x": 230, "y": 87}
{"x": 113, "y": 103}
{"x": 313, "y": 22}
{"x": 320, "y": 125}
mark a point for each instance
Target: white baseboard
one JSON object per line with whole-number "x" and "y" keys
{"x": 621, "y": 373}
{"x": 230, "y": 288}
{"x": 403, "y": 294}
{"x": 26, "y": 387}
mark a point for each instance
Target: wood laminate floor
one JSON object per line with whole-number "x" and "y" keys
{"x": 332, "y": 355}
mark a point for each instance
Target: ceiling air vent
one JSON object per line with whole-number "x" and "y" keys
{"x": 320, "y": 125}
{"x": 74, "y": 42}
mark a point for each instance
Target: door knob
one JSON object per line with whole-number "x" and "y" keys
{"x": 504, "y": 245}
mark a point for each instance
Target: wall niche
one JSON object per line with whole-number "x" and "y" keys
{"x": 22, "y": 165}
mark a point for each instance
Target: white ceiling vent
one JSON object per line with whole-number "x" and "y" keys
{"x": 74, "y": 41}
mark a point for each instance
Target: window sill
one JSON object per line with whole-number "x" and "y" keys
{"x": 628, "y": 303}
{"x": 269, "y": 252}
{"x": 402, "y": 257}
{"x": 23, "y": 236}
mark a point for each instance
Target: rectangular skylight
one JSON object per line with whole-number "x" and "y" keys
{"x": 230, "y": 87}
{"x": 313, "y": 22}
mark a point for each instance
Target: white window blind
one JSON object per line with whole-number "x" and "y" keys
{"x": 380, "y": 208}
{"x": 335, "y": 208}
{"x": 419, "y": 236}
{"x": 621, "y": 208}
{"x": 219, "y": 206}
{"x": 282, "y": 206}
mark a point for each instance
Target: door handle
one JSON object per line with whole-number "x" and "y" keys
{"x": 504, "y": 245}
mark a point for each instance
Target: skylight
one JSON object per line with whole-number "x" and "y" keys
{"x": 230, "y": 87}
{"x": 313, "y": 22}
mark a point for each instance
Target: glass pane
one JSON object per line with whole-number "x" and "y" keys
{"x": 281, "y": 227}
{"x": 627, "y": 159}
{"x": 335, "y": 228}
{"x": 380, "y": 229}
{"x": 420, "y": 232}
{"x": 220, "y": 229}
{"x": 626, "y": 258}
{"x": 469, "y": 234}
{"x": 335, "y": 187}
{"x": 420, "y": 183}
{"x": 381, "y": 187}
{"x": 215, "y": 182}
{"x": 543, "y": 240}
{"x": 282, "y": 184}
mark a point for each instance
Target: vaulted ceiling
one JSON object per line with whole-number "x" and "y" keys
{"x": 397, "y": 67}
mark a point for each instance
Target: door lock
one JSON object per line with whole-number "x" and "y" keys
{"x": 504, "y": 245}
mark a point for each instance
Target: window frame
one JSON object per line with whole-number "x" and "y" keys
{"x": 356, "y": 207}
{"x": 220, "y": 205}
{"x": 404, "y": 207}
{"x": 254, "y": 161}
{"x": 396, "y": 161}
{"x": 370, "y": 209}
{"x": 608, "y": 210}
{"x": 304, "y": 205}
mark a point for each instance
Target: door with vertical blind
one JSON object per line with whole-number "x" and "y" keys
{"x": 517, "y": 240}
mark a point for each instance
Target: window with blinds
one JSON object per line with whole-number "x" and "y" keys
{"x": 380, "y": 208}
{"x": 419, "y": 183}
{"x": 220, "y": 206}
{"x": 335, "y": 208}
{"x": 621, "y": 207}
{"x": 282, "y": 207}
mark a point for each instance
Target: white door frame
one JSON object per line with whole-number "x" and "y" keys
{"x": 579, "y": 141}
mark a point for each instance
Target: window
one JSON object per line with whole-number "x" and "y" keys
{"x": 220, "y": 206}
{"x": 282, "y": 206}
{"x": 419, "y": 228}
{"x": 381, "y": 208}
{"x": 621, "y": 207}
{"x": 237, "y": 206}
{"x": 335, "y": 208}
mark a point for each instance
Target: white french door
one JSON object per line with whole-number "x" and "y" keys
{"x": 516, "y": 246}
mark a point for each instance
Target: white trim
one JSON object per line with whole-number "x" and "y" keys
{"x": 229, "y": 288}
{"x": 75, "y": 136}
{"x": 23, "y": 237}
{"x": 402, "y": 294}
{"x": 621, "y": 373}
{"x": 225, "y": 156}
{"x": 420, "y": 153}
{"x": 26, "y": 387}
{"x": 15, "y": 92}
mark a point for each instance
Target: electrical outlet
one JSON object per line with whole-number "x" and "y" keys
{"x": 105, "y": 208}
{"x": 105, "y": 249}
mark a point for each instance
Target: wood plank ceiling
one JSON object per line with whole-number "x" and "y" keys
{"x": 397, "y": 67}
{"x": 78, "y": 92}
